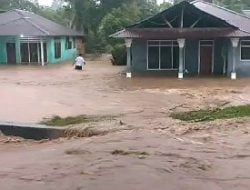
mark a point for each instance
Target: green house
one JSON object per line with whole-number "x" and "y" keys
{"x": 189, "y": 38}
{"x": 27, "y": 38}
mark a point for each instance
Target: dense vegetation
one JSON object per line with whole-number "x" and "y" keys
{"x": 100, "y": 18}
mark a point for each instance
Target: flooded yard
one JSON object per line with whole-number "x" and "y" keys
{"x": 141, "y": 148}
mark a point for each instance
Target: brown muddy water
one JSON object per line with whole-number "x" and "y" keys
{"x": 176, "y": 155}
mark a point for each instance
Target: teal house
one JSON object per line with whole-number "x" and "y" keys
{"x": 27, "y": 38}
{"x": 189, "y": 39}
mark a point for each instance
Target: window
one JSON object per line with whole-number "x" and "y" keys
{"x": 57, "y": 48}
{"x": 153, "y": 58}
{"x": 68, "y": 44}
{"x": 74, "y": 43}
{"x": 245, "y": 50}
{"x": 163, "y": 55}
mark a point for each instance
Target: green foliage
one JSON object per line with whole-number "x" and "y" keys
{"x": 18, "y": 4}
{"x": 211, "y": 115}
{"x": 62, "y": 122}
{"x": 58, "y": 121}
{"x": 116, "y": 20}
{"x": 165, "y": 6}
{"x": 236, "y": 5}
{"x": 119, "y": 55}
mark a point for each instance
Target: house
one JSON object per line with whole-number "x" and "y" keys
{"x": 189, "y": 38}
{"x": 27, "y": 38}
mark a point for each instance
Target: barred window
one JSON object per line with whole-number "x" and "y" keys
{"x": 68, "y": 44}
{"x": 163, "y": 55}
{"x": 245, "y": 50}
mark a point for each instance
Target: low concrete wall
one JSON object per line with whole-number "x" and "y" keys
{"x": 35, "y": 132}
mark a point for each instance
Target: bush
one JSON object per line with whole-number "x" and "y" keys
{"x": 119, "y": 55}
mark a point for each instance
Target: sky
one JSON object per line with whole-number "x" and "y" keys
{"x": 48, "y": 2}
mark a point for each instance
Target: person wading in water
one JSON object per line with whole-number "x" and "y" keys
{"x": 79, "y": 62}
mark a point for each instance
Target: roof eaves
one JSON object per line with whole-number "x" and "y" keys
{"x": 115, "y": 35}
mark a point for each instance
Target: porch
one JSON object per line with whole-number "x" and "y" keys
{"x": 28, "y": 50}
{"x": 185, "y": 57}
{"x": 189, "y": 39}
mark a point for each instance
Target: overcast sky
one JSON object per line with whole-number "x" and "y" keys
{"x": 48, "y": 2}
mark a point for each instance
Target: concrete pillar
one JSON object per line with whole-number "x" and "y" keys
{"x": 38, "y": 53}
{"x": 181, "y": 43}
{"x": 235, "y": 43}
{"x": 18, "y": 50}
{"x": 128, "y": 43}
{"x": 42, "y": 53}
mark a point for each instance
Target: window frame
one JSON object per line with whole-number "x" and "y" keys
{"x": 74, "y": 43}
{"x": 160, "y": 43}
{"x": 242, "y": 46}
{"x": 58, "y": 40}
{"x": 209, "y": 43}
{"x": 68, "y": 43}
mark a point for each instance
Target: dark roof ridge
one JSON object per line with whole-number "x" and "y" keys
{"x": 220, "y": 7}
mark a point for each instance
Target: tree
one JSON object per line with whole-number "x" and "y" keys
{"x": 18, "y": 4}
{"x": 164, "y": 6}
{"x": 116, "y": 20}
{"x": 236, "y": 5}
{"x": 57, "y": 4}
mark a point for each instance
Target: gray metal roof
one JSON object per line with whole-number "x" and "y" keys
{"x": 18, "y": 22}
{"x": 242, "y": 22}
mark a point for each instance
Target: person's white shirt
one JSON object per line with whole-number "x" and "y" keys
{"x": 79, "y": 61}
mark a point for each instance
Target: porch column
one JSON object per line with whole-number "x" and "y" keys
{"x": 235, "y": 43}
{"x": 42, "y": 52}
{"x": 38, "y": 53}
{"x": 181, "y": 43}
{"x": 18, "y": 50}
{"x": 128, "y": 43}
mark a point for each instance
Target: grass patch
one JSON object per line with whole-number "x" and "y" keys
{"x": 211, "y": 115}
{"x": 66, "y": 121}
{"x": 126, "y": 153}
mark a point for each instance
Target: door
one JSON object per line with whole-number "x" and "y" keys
{"x": 31, "y": 52}
{"x": 206, "y": 57}
{"x": 11, "y": 53}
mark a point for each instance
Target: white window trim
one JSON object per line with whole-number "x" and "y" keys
{"x": 199, "y": 54}
{"x": 160, "y": 45}
{"x": 241, "y": 46}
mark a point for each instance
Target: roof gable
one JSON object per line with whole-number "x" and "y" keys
{"x": 182, "y": 15}
{"x": 17, "y": 22}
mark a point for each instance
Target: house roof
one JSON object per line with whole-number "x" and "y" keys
{"x": 239, "y": 24}
{"x": 242, "y": 22}
{"x": 19, "y": 22}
